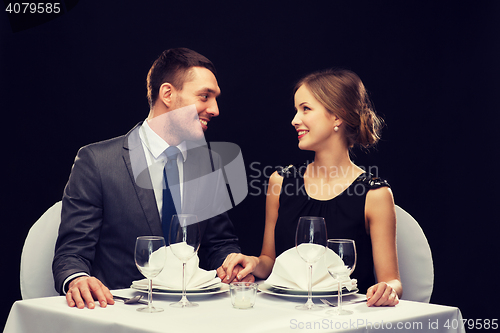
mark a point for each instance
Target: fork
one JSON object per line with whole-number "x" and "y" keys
{"x": 325, "y": 301}
{"x": 132, "y": 300}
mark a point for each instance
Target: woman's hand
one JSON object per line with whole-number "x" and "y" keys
{"x": 237, "y": 266}
{"x": 382, "y": 294}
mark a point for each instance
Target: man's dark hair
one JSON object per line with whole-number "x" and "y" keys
{"x": 173, "y": 66}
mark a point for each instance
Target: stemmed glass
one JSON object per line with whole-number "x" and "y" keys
{"x": 150, "y": 254}
{"x": 346, "y": 250}
{"x": 310, "y": 242}
{"x": 184, "y": 240}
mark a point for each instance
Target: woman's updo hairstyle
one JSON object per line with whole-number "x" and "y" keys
{"x": 343, "y": 94}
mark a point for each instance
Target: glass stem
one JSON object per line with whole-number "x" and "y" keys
{"x": 309, "y": 286}
{"x": 183, "y": 281}
{"x": 150, "y": 294}
{"x": 339, "y": 299}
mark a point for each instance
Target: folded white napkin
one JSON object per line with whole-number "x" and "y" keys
{"x": 290, "y": 271}
{"x": 171, "y": 275}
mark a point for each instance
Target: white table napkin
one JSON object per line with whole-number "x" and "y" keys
{"x": 171, "y": 275}
{"x": 290, "y": 271}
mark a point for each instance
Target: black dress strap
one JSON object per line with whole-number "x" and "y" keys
{"x": 286, "y": 171}
{"x": 371, "y": 181}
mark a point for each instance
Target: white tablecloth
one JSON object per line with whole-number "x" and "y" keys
{"x": 216, "y": 314}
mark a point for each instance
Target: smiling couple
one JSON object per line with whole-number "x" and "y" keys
{"x": 116, "y": 188}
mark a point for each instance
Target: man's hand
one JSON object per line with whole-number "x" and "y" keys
{"x": 85, "y": 289}
{"x": 237, "y": 267}
{"x": 221, "y": 273}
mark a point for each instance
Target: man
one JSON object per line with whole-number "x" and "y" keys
{"x": 115, "y": 193}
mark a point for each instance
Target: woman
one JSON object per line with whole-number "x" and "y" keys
{"x": 333, "y": 115}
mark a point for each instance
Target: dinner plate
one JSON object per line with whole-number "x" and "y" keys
{"x": 222, "y": 288}
{"x": 280, "y": 291}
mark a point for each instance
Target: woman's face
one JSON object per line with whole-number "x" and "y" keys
{"x": 313, "y": 123}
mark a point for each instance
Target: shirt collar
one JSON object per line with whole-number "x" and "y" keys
{"x": 156, "y": 145}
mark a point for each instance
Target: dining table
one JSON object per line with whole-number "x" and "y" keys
{"x": 215, "y": 313}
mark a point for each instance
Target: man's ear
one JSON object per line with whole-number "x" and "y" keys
{"x": 165, "y": 94}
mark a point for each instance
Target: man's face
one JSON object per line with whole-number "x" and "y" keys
{"x": 202, "y": 91}
{"x": 190, "y": 110}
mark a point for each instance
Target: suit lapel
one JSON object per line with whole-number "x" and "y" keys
{"x": 135, "y": 161}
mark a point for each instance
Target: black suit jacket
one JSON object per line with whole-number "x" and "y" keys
{"x": 106, "y": 205}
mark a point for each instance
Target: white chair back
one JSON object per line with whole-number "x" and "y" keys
{"x": 415, "y": 259}
{"x": 38, "y": 251}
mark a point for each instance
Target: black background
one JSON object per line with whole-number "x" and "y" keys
{"x": 431, "y": 68}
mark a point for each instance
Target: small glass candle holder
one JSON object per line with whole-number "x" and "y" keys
{"x": 243, "y": 294}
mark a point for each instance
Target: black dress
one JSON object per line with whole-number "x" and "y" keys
{"x": 344, "y": 216}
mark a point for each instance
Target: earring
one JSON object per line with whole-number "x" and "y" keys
{"x": 336, "y": 128}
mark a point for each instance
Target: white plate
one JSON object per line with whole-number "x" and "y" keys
{"x": 277, "y": 291}
{"x": 194, "y": 292}
{"x": 296, "y": 291}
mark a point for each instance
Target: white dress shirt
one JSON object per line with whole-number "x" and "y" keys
{"x": 155, "y": 149}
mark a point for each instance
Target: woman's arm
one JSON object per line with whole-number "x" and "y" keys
{"x": 261, "y": 266}
{"x": 268, "y": 252}
{"x": 380, "y": 215}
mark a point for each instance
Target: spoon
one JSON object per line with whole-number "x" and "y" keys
{"x": 131, "y": 300}
{"x": 325, "y": 301}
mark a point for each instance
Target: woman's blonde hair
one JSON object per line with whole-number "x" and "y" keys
{"x": 343, "y": 94}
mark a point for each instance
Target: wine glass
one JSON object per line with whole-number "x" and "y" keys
{"x": 346, "y": 251}
{"x": 150, "y": 254}
{"x": 184, "y": 240}
{"x": 310, "y": 242}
